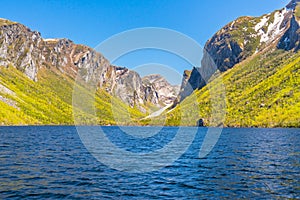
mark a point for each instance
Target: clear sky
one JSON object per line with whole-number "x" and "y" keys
{"x": 91, "y": 22}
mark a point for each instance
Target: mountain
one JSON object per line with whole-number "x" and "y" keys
{"x": 37, "y": 77}
{"x": 243, "y": 38}
{"x": 258, "y": 61}
{"x": 256, "y": 58}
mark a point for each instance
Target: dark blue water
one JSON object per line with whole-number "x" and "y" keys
{"x": 52, "y": 163}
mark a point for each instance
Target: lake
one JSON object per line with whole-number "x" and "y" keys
{"x": 51, "y": 162}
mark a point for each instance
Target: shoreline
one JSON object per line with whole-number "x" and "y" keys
{"x": 72, "y": 125}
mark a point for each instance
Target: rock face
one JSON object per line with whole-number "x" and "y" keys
{"x": 28, "y": 52}
{"x": 291, "y": 37}
{"x": 158, "y": 86}
{"x": 129, "y": 88}
{"x": 18, "y": 46}
{"x": 243, "y": 38}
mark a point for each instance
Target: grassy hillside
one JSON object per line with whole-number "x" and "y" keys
{"x": 49, "y": 101}
{"x": 263, "y": 91}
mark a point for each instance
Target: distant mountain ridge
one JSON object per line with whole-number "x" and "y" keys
{"x": 164, "y": 90}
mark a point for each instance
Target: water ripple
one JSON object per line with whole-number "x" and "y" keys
{"x": 52, "y": 163}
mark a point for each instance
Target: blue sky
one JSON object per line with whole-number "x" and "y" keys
{"x": 91, "y": 22}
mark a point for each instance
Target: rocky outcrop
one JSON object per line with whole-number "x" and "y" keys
{"x": 198, "y": 77}
{"x": 290, "y": 39}
{"x": 20, "y": 47}
{"x": 157, "y": 86}
{"x": 243, "y": 38}
{"x": 190, "y": 82}
{"x": 130, "y": 89}
{"x": 225, "y": 50}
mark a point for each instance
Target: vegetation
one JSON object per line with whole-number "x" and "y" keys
{"x": 263, "y": 91}
{"x": 49, "y": 101}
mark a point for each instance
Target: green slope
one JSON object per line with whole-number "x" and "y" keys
{"x": 49, "y": 101}
{"x": 263, "y": 91}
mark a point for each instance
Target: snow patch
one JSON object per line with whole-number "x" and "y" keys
{"x": 273, "y": 28}
{"x": 262, "y": 23}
